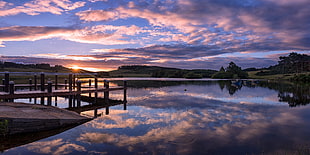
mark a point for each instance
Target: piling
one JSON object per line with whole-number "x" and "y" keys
{"x": 125, "y": 91}
{"x": 35, "y": 82}
{"x": 56, "y": 82}
{"x": 89, "y": 85}
{"x": 11, "y": 87}
{"x": 42, "y": 76}
{"x": 74, "y": 80}
{"x": 106, "y": 93}
{"x": 42, "y": 101}
{"x": 6, "y": 81}
{"x": 79, "y": 85}
{"x": 66, "y": 81}
{"x": 49, "y": 86}
{"x": 96, "y": 83}
{"x": 107, "y": 110}
{"x": 30, "y": 84}
{"x": 78, "y": 96}
{"x": 3, "y": 83}
{"x": 70, "y": 82}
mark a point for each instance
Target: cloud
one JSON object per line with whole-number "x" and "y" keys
{"x": 213, "y": 21}
{"x": 96, "y": 15}
{"x": 36, "y": 7}
{"x": 57, "y": 146}
{"x": 100, "y": 34}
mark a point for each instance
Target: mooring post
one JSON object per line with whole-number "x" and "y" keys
{"x": 30, "y": 84}
{"x": 49, "y": 100}
{"x": 3, "y": 83}
{"x": 35, "y": 82}
{"x": 125, "y": 91}
{"x": 70, "y": 82}
{"x": 56, "y": 101}
{"x": 89, "y": 85}
{"x": 106, "y": 92}
{"x": 74, "y": 80}
{"x": 70, "y": 101}
{"x": 49, "y": 86}
{"x": 42, "y": 81}
{"x": 6, "y": 81}
{"x": 96, "y": 83}
{"x": 42, "y": 101}
{"x": 107, "y": 110}
{"x": 11, "y": 87}
{"x": 79, "y": 84}
{"x": 78, "y": 96}
{"x": 56, "y": 81}
{"x": 95, "y": 113}
{"x": 66, "y": 81}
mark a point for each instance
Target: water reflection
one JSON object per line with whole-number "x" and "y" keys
{"x": 189, "y": 118}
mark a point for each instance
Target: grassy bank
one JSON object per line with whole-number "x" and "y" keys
{"x": 274, "y": 77}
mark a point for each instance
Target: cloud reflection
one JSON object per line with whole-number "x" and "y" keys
{"x": 57, "y": 147}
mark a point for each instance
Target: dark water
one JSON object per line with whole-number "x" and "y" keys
{"x": 201, "y": 117}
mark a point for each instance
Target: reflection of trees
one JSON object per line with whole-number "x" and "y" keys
{"x": 292, "y": 93}
{"x": 232, "y": 89}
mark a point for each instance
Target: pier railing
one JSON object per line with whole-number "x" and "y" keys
{"x": 43, "y": 87}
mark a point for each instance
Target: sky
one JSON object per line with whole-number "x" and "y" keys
{"x": 101, "y": 35}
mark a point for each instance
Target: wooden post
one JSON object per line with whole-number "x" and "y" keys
{"x": 6, "y": 81}
{"x": 70, "y": 101}
{"x": 78, "y": 96}
{"x": 89, "y": 84}
{"x": 74, "y": 80}
{"x": 66, "y": 81}
{"x": 49, "y": 86}
{"x": 42, "y": 101}
{"x": 56, "y": 82}
{"x": 95, "y": 113}
{"x": 125, "y": 91}
{"x": 3, "y": 83}
{"x": 106, "y": 93}
{"x": 70, "y": 82}
{"x": 49, "y": 100}
{"x": 79, "y": 83}
{"x": 35, "y": 82}
{"x": 42, "y": 81}
{"x": 96, "y": 83}
{"x": 107, "y": 110}
{"x": 11, "y": 87}
{"x": 55, "y": 101}
{"x": 30, "y": 84}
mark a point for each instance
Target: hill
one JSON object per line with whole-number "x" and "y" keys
{"x": 16, "y": 67}
{"x": 156, "y": 71}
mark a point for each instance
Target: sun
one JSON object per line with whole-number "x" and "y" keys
{"x": 75, "y": 67}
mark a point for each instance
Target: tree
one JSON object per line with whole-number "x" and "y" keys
{"x": 231, "y": 72}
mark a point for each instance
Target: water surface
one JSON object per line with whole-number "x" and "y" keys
{"x": 191, "y": 117}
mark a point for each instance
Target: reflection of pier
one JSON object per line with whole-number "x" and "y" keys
{"x": 96, "y": 103}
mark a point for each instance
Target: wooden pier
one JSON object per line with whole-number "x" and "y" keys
{"x": 46, "y": 88}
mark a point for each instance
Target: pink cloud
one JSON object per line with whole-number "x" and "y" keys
{"x": 96, "y": 15}
{"x": 36, "y": 7}
{"x": 100, "y": 34}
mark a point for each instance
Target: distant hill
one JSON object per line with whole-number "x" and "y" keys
{"x": 17, "y": 67}
{"x": 156, "y": 71}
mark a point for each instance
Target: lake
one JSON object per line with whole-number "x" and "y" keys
{"x": 189, "y": 117}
